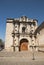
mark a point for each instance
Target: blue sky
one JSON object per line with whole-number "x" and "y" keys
{"x": 15, "y": 8}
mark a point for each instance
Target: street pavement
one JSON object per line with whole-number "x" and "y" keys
{"x": 21, "y": 58}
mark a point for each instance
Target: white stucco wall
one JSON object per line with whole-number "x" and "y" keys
{"x": 8, "y": 37}
{"x": 40, "y": 39}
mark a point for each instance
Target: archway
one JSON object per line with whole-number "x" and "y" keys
{"x": 23, "y": 45}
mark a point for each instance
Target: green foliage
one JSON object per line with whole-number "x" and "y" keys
{"x": 1, "y": 44}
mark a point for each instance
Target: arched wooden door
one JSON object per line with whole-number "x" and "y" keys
{"x": 23, "y": 45}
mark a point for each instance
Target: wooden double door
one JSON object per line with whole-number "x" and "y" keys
{"x": 24, "y": 46}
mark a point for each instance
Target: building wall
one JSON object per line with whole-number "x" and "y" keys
{"x": 19, "y": 34}
{"x": 8, "y": 38}
{"x": 40, "y": 39}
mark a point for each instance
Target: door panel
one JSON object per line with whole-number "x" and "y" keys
{"x": 24, "y": 46}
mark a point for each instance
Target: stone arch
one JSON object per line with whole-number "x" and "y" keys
{"x": 23, "y": 45}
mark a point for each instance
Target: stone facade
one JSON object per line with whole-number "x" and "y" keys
{"x": 20, "y": 34}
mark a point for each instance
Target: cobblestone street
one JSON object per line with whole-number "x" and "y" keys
{"x": 21, "y": 58}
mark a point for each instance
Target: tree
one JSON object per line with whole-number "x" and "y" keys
{"x": 1, "y": 44}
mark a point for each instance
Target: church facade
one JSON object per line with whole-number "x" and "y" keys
{"x": 20, "y": 34}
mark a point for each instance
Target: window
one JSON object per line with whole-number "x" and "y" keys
{"x": 31, "y": 30}
{"x": 23, "y": 29}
